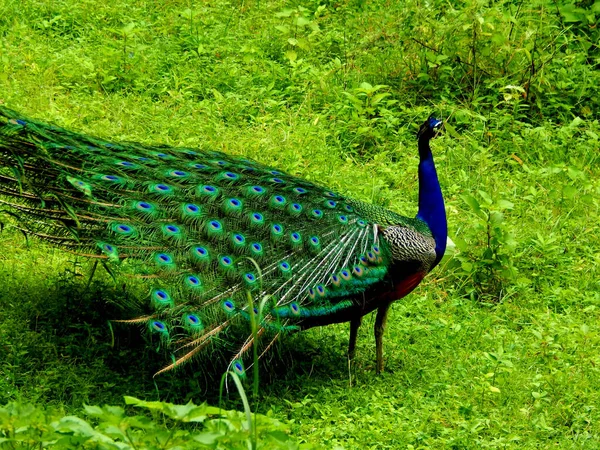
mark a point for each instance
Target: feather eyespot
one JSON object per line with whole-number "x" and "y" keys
{"x": 314, "y": 244}
{"x": 250, "y": 279}
{"x": 109, "y": 250}
{"x": 192, "y": 323}
{"x": 278, "y": 200}
{"x": 257, "y": 218}
{"x": 192, "y": 209}
{"x": 276, "y": 229}
{"x": 238, "y": 239}
{"x": 123, "y": 229}
{"x": 172, "y": 231}
{"x": 161, "y": 188}
{"x": 215, "y": 225}
{"x": 335, "y": 280}
{"x": 208, "y": 190}
{"x": 163, "y": 258}
{"x": 201, "y": 251}
{"x": 320, "y": 290}
{"x": 359, "y": 271}
{"x": 226, "y": 261}
{"x": 126, "y": 164}
{"x": 346, "y": 275}
{"x": 257, "y": 190}
{"x": 161, "y": 298}
{"x": 192, "y": 319}
{"x": 158, "y": 327}
{"x": 200, "y": 254}
{"x": 285, "y": 267}
{"x": 192, "y": 281}
{"x": 229, "y": 306}
{"x": 143, "y": 206}
{"x": 295, "y": 309}
{"x": 238, "y": 368}
{"x": 316, "y": 213}
{"x": 233, "y": 206}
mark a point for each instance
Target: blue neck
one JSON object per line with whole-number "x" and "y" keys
{"x": 431, "y": 202}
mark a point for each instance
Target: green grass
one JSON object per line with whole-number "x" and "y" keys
{"x": 498, "y": 348}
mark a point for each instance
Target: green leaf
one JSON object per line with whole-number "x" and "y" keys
{"x": 505, "y": 204}
{"x": 569, "y": 192}
{"x": 207, "y": 438}
{"x": 93, "y": 410}
{"x": 451, "y": 131}
{"x": 285, "y": 13}
{"x": 496, "y": 217}
{"x": 302, "y": 21}
{"x": 291, "y": 55}
{"x": 283, "y": 28}
{"x": 471, "y": 202}
{"x": 486, "y": 197}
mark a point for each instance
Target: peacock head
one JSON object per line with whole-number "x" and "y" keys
{"x": 430, "y": 128}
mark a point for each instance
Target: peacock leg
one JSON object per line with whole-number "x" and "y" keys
{"x": 354, "y": 324}
{"x": 380, "y": 321}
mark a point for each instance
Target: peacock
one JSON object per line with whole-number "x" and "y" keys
{"x": 220, "y": 242}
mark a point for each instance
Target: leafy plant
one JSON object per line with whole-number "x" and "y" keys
{"x": 366, "y": 118}
{"x": 109, "y": 427}
{"x": 488, "y": 263}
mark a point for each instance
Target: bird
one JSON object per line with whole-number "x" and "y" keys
{"x": 227, "y": 249}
